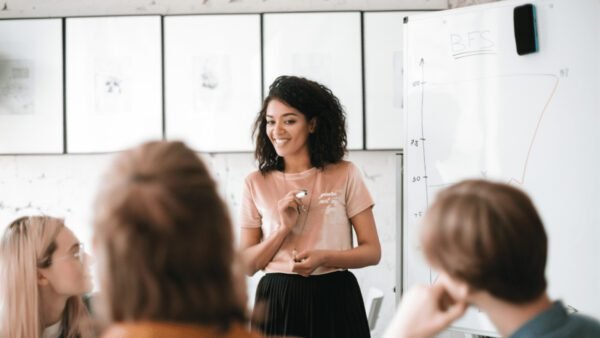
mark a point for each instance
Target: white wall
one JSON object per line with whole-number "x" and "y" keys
{"x": 49, "y": 8}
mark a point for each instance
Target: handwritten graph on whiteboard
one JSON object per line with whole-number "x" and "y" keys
{"x": 476, "y": 109}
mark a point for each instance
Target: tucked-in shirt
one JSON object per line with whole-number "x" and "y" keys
{"x": 335, "y": 195}
{"x": 556, "y": 322}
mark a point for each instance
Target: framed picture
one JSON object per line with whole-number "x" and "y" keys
{"x": 384, "y": 83}
{"x": 114, "y": 82}
{"x": 212, "y": 80}
{"x": 325, "y": 47}
{"x": 31, "y": 86}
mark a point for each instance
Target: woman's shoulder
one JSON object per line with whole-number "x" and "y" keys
{"x": 340, "y": 167}
{"x": 254, "y": 175}
{"x": 258, "y": 178}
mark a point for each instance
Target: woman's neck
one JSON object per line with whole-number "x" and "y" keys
{"x": 509, "y": 317}
{"x": 297, "y": 164}
{"x": 52, "y": 307}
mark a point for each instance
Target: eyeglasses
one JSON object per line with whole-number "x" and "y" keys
{"x": 78, "y": 254}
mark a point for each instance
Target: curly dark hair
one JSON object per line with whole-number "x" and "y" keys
{"x": 326, "y": 145}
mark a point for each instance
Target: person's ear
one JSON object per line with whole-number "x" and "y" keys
{"x": 458, "y": 289}
{"x": 462, "y": 290}
{"x": 312, "y": 125}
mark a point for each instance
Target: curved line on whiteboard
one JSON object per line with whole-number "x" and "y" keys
{"x": 520, "y": 180}
{"x": 537, "y": 127}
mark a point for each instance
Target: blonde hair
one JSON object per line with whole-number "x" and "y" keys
{"x": 26, "y": 245}
{"x": 164, "y": 240}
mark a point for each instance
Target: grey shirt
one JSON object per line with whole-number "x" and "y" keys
{"x": 557, "y": 322}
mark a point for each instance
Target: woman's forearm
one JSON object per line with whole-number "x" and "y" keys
{"x": 256, "y": 257}
{"x": 359, "y": 257}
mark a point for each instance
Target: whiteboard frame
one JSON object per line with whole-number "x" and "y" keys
{"x": 383, "y": 48}
{"x": 216, "y": 115}
{"x": 293, "y": 42}
{"x": 34, "y": 124}
{"x": 125, "y": 56}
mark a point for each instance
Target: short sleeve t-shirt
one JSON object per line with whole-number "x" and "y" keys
{"x": 335, "y": 195}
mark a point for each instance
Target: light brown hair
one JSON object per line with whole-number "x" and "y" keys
{"x": 490, "y": 236}
{"x": 164, "y": 240}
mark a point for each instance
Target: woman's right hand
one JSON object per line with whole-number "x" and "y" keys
{"x": 289, "y": 209}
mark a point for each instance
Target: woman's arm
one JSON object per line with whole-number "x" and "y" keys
{"x": 256, "y": 254}
{"x": 367, "y": 252}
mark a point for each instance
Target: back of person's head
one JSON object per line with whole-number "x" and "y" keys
{"x": 163, "y": 240}
{"x": 327, "y": 143}
{"x": 27, "y": 245}
{"x": 490, "y": 236}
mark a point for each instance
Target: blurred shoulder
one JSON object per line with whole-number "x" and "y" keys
{"x": 340, "y": 167}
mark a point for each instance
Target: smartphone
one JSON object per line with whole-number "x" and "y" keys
{"x": 525, "y": 29}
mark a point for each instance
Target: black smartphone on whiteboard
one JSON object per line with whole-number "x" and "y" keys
{"x": 525, "y": 29}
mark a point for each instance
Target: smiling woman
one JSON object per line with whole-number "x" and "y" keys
{"x": 298, "y": 213}
{"x": 44, "y": 273}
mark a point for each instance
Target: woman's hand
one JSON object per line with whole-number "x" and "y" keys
{"x": 308, "y": 261}
{"x": 289, "y": 209}
{"x": 423, "y": 312}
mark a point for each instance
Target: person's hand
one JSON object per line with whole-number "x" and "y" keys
{"x": 424, "y": 312}
{"x": 306, "y": 262}
{"x": 288, "y": 208}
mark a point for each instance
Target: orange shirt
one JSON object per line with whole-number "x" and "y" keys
{"x": 173, "y": 330}
{"x": 335, "y": 194}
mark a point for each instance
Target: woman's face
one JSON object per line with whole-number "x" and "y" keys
{"x": 69, "y": 273}
{"x": 287, "y": 129}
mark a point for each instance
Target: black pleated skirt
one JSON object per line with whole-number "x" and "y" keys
{"x": 321, "y": 306}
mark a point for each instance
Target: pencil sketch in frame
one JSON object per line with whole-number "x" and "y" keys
{"x": 114, "y": 82}
{"x": 31, "y": 86}
{"x": 212, "y": 80}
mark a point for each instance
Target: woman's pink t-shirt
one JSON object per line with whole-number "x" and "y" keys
{"x": 335, "y": 194}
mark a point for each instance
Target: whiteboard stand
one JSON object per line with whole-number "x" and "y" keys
{"x": 399, "y": 290}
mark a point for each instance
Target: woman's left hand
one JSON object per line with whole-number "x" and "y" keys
{"x": 308, "y": 261}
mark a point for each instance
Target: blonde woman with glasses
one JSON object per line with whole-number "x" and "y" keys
{"x": 43, "y": 275}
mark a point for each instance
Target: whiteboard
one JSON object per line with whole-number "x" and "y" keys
{"x": 474, "y": 108}
{"x": 212, "y": 80}
{"x": 31, "y": 86}
{"x": 114, "y": 82}
{"x": 324, "y": 47}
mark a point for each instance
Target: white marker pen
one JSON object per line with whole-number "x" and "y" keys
{"x": 302, "y": 193}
